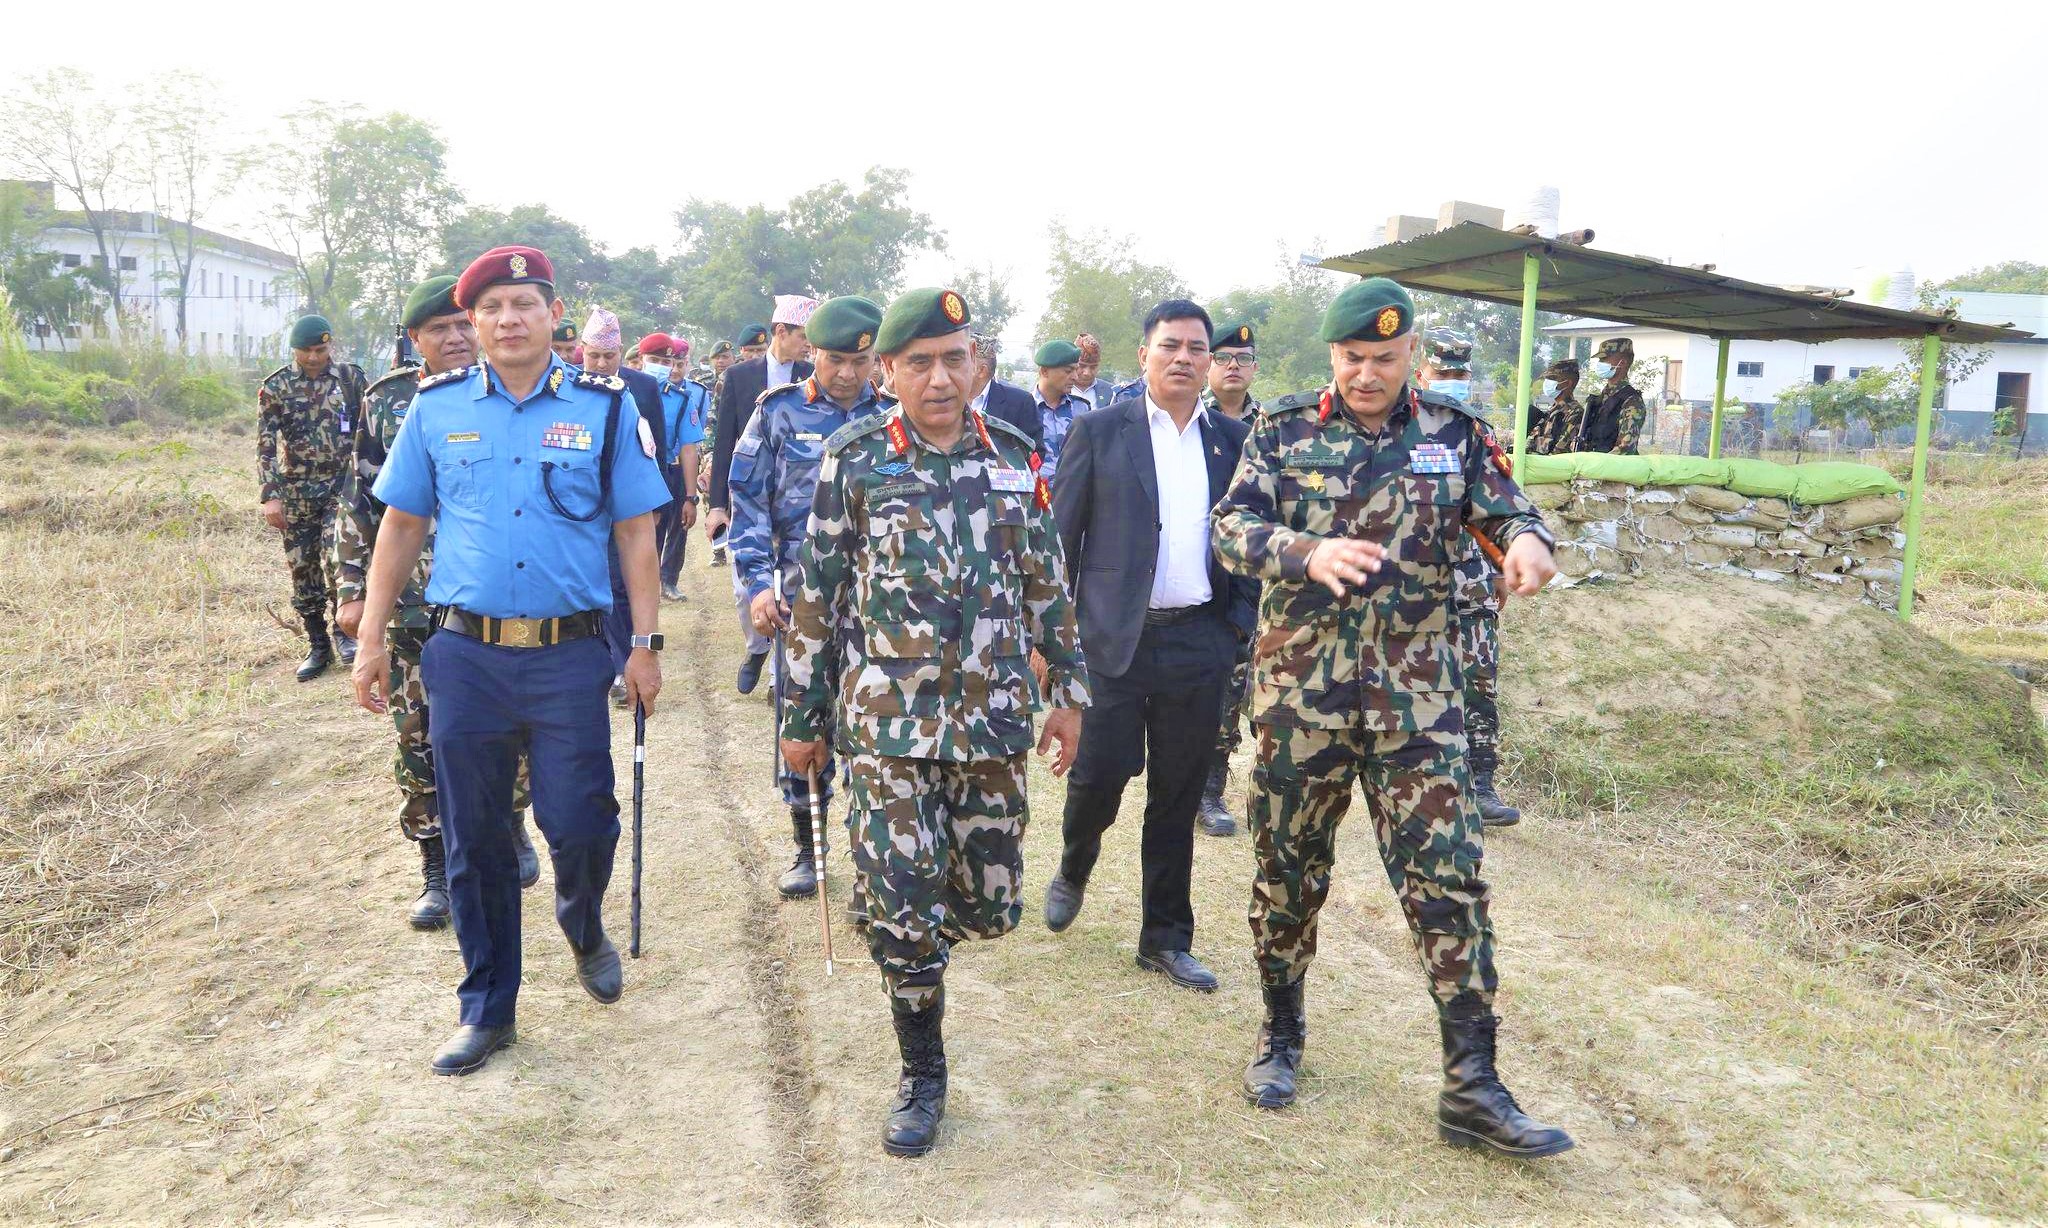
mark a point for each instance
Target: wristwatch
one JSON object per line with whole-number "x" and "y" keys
{"x": 689, "y": 498}
{"x": 651, "y": 643}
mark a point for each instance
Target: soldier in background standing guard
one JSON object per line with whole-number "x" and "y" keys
{"x": 1615, "y": 411}
{"x": 1556, "y": 428}
{"x": 1348, "y": 504}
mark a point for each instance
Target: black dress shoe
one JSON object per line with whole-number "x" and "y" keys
{"x": 750, "y": 672}
{"x": 1062, "y": 903}
{"x": 522, "y": 845}
{"x": 1269, "y": 1080}
{"x": 599, "y": 971}
{"x": 1181, "y": 968}
{"x": 913, "y": 1125}
{"x": 430, "y": 911}
{"x": 1475, "y": 1109}
{"x": 470, "y": 1047}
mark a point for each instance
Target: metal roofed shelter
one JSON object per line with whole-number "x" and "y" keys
{"x": 1477, "y": 261}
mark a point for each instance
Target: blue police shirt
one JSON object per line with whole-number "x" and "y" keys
{"x": 484, "y": 465}
{"x": 683, "y": 409}
{"x": 775, "y": 465}
{"x": 1057, "y": 421}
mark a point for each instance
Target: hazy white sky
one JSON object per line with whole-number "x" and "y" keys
{"x": 1783, "y": 141}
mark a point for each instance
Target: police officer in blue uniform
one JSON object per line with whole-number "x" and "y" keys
{"x": 774, "y": 473}
{"x": 527, "y": 468}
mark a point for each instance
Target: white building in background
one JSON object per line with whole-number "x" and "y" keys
{"x": 2015, "y": 374}
{"x": 241, "y": 300}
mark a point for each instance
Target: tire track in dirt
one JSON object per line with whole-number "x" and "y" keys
{"x": 771, "y": 986}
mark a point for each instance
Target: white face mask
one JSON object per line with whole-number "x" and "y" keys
{"x": 659, "y": 370}
{"x": 1550, "y": 390}
{"x": 1605, "y": 370}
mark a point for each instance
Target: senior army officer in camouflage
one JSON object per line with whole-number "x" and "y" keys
{"x": 773, "y": 481}
{"x": 1348, "y": 504}
{"x": 305, "y": 413}
{"x": 443, "y": 336}
{"x": 932, "y": 533}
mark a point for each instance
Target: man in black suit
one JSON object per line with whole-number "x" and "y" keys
{"x": 1161, "y": 620}
{"x": 783, "y": 363}
{"x": 998, "y": 399}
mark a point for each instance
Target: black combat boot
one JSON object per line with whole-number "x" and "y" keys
{"x": 522, "y": 847}
{"x": 750, "y": 672}
{"x": 1216, "y": 818}
{"x": 1493, "y": 812}
{"x": 322, "y": 654}
{"x": 346, "y": 643}
{"x": 913, "y": 1125}
{"x": 800, "y": 881}
{"x": 430, "y": 911}
{"x": 1475, "y": 1108}
{"x": 1269, "y": 1080}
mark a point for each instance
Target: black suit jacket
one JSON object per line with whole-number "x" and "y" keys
{"x": 646, "y": 393}
{"x": 1106, "y": 503}
{"x": 743, "y": 386}
{"x": 1015, "y": 406}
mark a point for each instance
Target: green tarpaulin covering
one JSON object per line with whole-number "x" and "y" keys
{"x": 1812, "y": 484}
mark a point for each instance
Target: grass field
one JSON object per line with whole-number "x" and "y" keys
{"x": 1772, "y": 934}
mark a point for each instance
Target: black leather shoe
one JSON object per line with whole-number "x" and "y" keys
{"x": 1214, "y": 816}
{"x": 470, "y": 1048}
{"x": 321, "y": 654}
{"x": 430, "y": 911}
{"x": 1181, "y": 968}
{"x": 346, "y": 644}
{"x": 671, "y": 592}
{"x": 750, "y": 672}
{"x": 1493, "y": 812}
{"x": 1475, "y": 1109}
{"x": 1062, "y": 903}
{"x": 800, "y": 881}
{"x": 598, "y": 970}
{"x": 1269, "y": 1080}
{"x": 913, "y": 1125}
{"x": 522, "y": 844}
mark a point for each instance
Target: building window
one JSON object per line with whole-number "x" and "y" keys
{"x": 1857, "y": 372}
{"x": 72, "y": 261}
{"x": 1749, "y": 370}
{"x": 1822, "y": 375}
{"x": 127, "y": 264}
{"x": 238, "y": 294}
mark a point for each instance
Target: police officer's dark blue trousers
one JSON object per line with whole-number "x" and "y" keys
{"x": 489, "y": 704}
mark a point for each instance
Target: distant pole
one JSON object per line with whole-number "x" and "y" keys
{"x": 1522, "y": 375}
{"x": 1930, "y": 355}
{"x": 1720, "y": 399}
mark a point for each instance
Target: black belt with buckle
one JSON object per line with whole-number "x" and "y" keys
{"x": 523, "y": 632}
{"x": 1174, "y": 617}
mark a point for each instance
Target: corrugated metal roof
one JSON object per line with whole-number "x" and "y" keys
{"x": 1481, "y": 262}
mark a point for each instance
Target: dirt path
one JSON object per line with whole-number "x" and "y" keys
{"x": 257, "y": 1053}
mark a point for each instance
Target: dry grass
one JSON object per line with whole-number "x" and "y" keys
{"x": 1984, "y": 575}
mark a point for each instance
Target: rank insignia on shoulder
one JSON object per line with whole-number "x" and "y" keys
{"x": 571, "y": 435}
{"x": 610, "y": 383}
{"x": 1432, "y": 458}
{"x": 446, "y": 377}
{"x": 463, "y": 437}
{"x": 1013, "y": 481}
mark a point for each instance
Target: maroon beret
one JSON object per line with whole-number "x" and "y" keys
{"x": 658, "y": 345}
{"x": 502, "y": 265}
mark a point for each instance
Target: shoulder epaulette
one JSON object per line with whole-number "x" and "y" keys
{"x": 395, "y": 373}
{"x": 608, "y": 383}
{"x": 446, "y": 377}
{"x": 1437, "y": 400}
{"x": 769, "y": 392}
{"x": 1293, "y": 401}
{"x": 283, "y": 370}
{"x": 857, "y": 429}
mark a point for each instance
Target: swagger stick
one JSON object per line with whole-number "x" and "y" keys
{"x": 818, "y": 856}
{"x": 639, "y": 794}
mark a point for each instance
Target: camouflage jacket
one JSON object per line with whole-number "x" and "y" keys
{"x": 1475, "y": 591}
{"x": 1557, "y": 428}
{"x": 357, "y": 513}
{"x": 774, "y": 476}
{"x": 1252, "y": 408}
{"x": 949, "y": 565}
{"x": 303, "y": 425}
{"x": 1383, "y": 657}
{"x": 1613, "y": 421}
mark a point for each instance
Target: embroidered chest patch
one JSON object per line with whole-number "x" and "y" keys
{"x": 1432, "y": 458}
{"x": 572, "y": 435}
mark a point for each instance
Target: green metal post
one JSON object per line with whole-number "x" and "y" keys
{"x": 1930, "y": 360}
{"x": 1720, "y": 399}
{"x": 1522, "y": 375}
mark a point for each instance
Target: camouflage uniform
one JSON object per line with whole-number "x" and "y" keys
{"x": 1615, "y": 412}
{"x": 357, "y": 515}
{"x": 1238, "y": 697}
{"x": 950, "y": 565}
{"x": 1557, "y": 428}
{"x": 1366, "y": 687}
{"x": 303, "y": 428}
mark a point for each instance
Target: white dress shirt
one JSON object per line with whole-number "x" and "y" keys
{"x": 779, "y": 373}
{"x": 1181, "y": 576}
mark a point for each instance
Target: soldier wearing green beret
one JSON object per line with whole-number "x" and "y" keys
{"x": 564, "y": 340}
{"x": 753, "y": 341}
{"x": 930, "y": 529}
{"x": 1347, "y": 505}
{"x": 1556, "y": 428}
{"x": 1615, "y": 411}
{"x": 1234, "y": 365}
{"x": 1057, "y": 404}
{"x": 306, "y": 411}
{"x": 445, "y": 340}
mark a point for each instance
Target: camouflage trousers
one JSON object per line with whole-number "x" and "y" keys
{"x": 1479, "y": 654}
{"x": 1236, "y": 699}
{"x": 419, "y": 816}
{"x": 1416, "y": 789}
{"x": 308, "y": 529}
{"x": 938, "y": 851}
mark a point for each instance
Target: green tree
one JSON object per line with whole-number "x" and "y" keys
{"x": 182, "y": 169}
{"x": 2006, "y": 277}
{"x": 39, "y": 288}
{"x": 1872, "y": 400}
{"x": 1099, "y": 287}
{"x": 1288, "y": 316}
{"x": 57, "y": 127}
{"x": 988, "y": 296}
{"x": 472, "y": 231}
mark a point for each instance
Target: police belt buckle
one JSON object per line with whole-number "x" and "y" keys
{"x": 519, "y": 632}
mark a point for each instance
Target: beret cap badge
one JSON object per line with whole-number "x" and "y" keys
{"x": 866, "y": 340}
{"x": 518, "y": 264}
{"x": 1389, "y": 321}
{"x": 955, "y": 309}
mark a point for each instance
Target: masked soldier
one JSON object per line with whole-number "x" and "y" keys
{"x": 1556, "y": 429}
{"x": 1614, "y": 410}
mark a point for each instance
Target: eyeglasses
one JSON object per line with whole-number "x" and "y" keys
{"x": 1236, "y": 358}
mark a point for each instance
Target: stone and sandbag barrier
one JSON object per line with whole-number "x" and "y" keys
{"x": 1829, "y": 525}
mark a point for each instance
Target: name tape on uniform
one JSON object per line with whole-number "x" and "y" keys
{"x": 464, "y": 437}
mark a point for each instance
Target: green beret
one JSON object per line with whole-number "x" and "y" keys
{"x": 1235, "y": 333}
{"x": 723, "y": 347}
{"x": 844, "y": 325}
{"x": 311, "y": 331}
{"x": 565, "y": 330}
{"x": 1057, "y": 353}
{"x": 1372, "y": 310}
{"x": 433, "y": 297}
{"x": 754, "y": 334}
{"x": 916, "y": 314}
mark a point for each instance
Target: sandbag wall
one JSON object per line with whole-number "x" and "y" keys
{"x": 1854, "y": 547}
